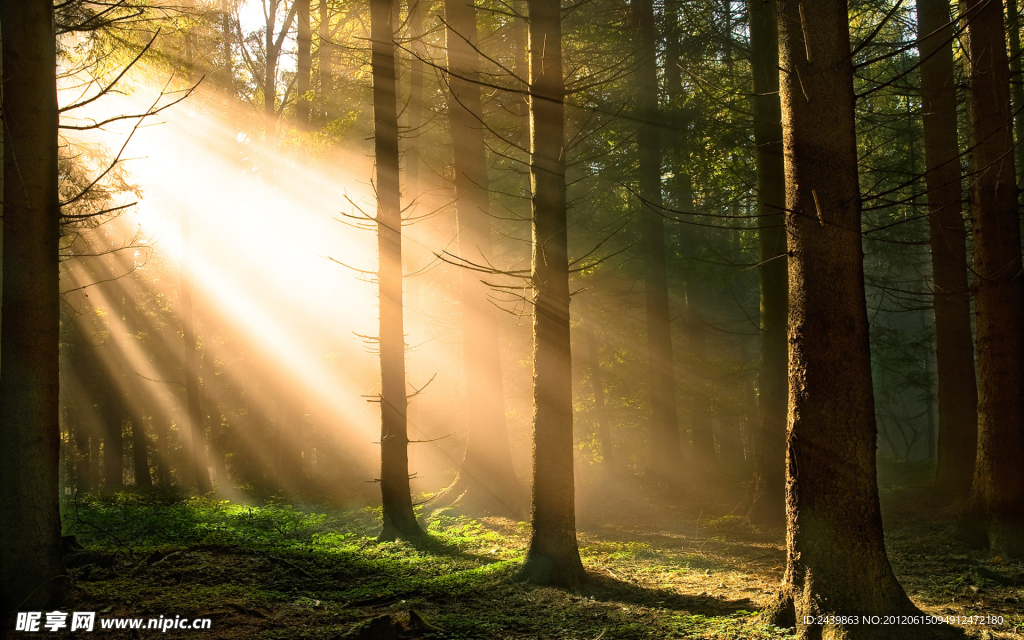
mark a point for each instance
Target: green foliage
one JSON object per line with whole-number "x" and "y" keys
{"x": 321, "y": 574}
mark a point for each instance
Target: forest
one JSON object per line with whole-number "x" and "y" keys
{"x": 512, "y": 319}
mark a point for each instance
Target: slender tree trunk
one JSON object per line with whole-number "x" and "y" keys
{"x": 486, "y": 477}
{"x": 140, "y": 455}
{"x": 666, "y": 453}
{"x": 954, "y": 351}
{"x": 197, "y": 469}
{"x": 112, "y": 412}
{"x": 768, "y": 503}
{"x": 1016, "y": 87}
{"x": 325, "y": 58}
{"x": 604, "y": 435}
{"x": 996, "y": 504}
{"x": 399, "y": 520}
{"x": 30, "y": 564}
{"x": 553, "y": 556}
{"x": 304, "y": 40}
{"x": 270, "y": 74}
{"x": 836, "y": 561}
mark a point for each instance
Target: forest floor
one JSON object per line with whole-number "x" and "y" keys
{"x": 657, "y": 570}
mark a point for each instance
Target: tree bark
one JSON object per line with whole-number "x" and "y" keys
{"x": 30, "y": 564}
{"x": 486, "y": 477}
{"x": 666, "y": 452}
{"x": 399, "y": 520}
{"x": 836, "y": 559}
{"x": 954, "y": 350}
{"x": 553, "y": 556}
{"x": 768, "y": 500}
{"x": 996, "y": 504}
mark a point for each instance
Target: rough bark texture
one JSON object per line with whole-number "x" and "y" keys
{"x": 954, "y": 349}
{"x": 486, "y": 477}
{"x": 553, "y": 556}
{"x": 996, "y": 505}
{"x": 768, "y": 500}
{"x": 30, "y": 557}
{"x": 399, "y": 520}
{"x": 836, "y": 559}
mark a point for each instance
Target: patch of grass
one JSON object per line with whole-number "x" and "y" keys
{"x": 259, "y": 569}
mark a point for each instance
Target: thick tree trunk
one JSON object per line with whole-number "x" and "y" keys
{"x": 553, "y": 556}
{"x": 996, "y": 504}
{"x": 954, "y": 349}
{"x": 768, "y": 500}
{"x": 486, "y": 478}
{"x": 836, "y": 559}
{"x": 30, "y": 561}
{"x": 303, "y": 70}
{"x": 666, "y": 453}
{"x": 399, "y": 520}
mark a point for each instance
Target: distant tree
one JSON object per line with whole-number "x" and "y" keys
{"x": 995, "y": 509}
{"x": 768, "y": 503}
{"x": 197, "y": 465}
{"x": 399, "y": 520}
{"x": 553, "y": 556}
{"x": 486, "y": 477}
{"x": 666, "y": 452}
{"x": 30, "y": 557}
{"x": 303, "y": 71}
{"x": 836, "y": 559}
{"x": 954, "y": 351}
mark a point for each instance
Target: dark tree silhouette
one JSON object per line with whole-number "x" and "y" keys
{"x": 30, "y": 557}
{"x": 399, "y": 520}
{"x": 768, "y": 505}
{"x": 995, "y": 510}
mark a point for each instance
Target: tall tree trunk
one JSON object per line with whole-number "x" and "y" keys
{"x": 197, "y": 468}
{"x": 303, "y": 70}
{"x": 836, "y": 559}
{"x": 553, "y": 556}
{"x": 399, "y": 520}
{"x": 30, "y": 564}
{"x": 604, "y": 435}
{"x": 666, "y": 453}
{"x": 768, "y": 503}
{"x": 954, "y": 349}
{"x": 112, "y": 413}
{"x": 325, "y": 58}
{"x": 140, "y": 455}
{"x": 996, "y": 504}
{"x": 1016, "y": 87}
{"x": 486, "y": 477}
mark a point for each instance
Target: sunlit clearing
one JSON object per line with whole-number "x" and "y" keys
{"x": 277, "y": 319}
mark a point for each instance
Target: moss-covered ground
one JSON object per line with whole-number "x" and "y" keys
{"x": 271, "y": 569}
